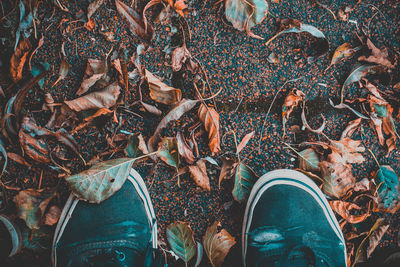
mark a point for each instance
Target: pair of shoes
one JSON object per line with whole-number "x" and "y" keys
{"x": 287, "y": 222}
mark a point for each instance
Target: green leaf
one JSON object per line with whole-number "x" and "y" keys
{"x": 308, "y": 160}
{"x": 180, "y": 238}
{"x": 101, "y": 181}
{"x": 168, "y": 151}
{"x": 388, "y": 190}
{"x": 244, "y": 181}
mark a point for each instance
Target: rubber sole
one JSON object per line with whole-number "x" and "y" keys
{"x": 287, "y": 177}
{"x": 140, "y": 186}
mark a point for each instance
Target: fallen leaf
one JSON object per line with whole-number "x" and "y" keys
{"x": 295, "y": 26}
{"x": 292, "y": 100}
{"x": 52, "y": 215}
{"x": 168, "y": 151}
{"x": 338, "y": 178}
{"x": 388, "y": 190}
{"x": 40, "y": 44}
{"x": 244, "y": 141}
{"x": 245, "y": 14}
{"x": 25, "y": 22}
{"x": 378, "y": 56}
{"x": 343, "y": 52}
{"x": 93, "y": 6}
{"x": 351, "y": 128}
{"x": 372, "y": 89}
{"x": 349, "y": 149}
{"x": 346, "y": 209}
{"x": 18, "y": 59}
{"x": 135, "y": 21}
{"x": 217, "y": 244}
{"x": 179, "y": 56}
{"x": 180, "y": 238}
{"x": 64, "y": 66}
{"x": 105, "y": 98}
{"x": 227, "y": 169}
{"x": 136, "y": 146}
{"x": 199, "y": 174}
{"x": 245, "y": 178}
{"x": 308, "y": 127}
{"x": 37, "y": 149}
{"x": 308, "y": 160}
{"x": 95, "y": 70}
{"x": 101, "y": 181}
{"x": 273, "y": 58}
{"x": 31, "y": 205}
{"x": 184, "y": 150}
{"x": 17, "y": 158}
{"x": 160, "y": 92}
{"x": 88, "y": 120}
{"x": 5, "y": 157}
{"x": 210, "y": 119}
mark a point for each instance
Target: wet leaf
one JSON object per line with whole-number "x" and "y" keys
{"x": 135, "y": 21}
{"x": 210, "y": 119}
{"x": 346, "y": 211}
{"x": 180, "y": 238}
{"x": 52, "y": 215}
{"x": 64, "y": 66}
{"x": 245, "y": 178}
{"x": 160, "y": 92}
{"x": 168, "y": 151}
{"x": 321, "y": 46}
{"x": 31, "y": 205}
{"x": 184, "y": 106}
{"x": 199, "y": 174}
{"x": 244, "y": 141}
{"x": 18, "y": 59}
{"x": 388, "y": 190}
{"x": 101, "y": 181}
{"x": 93, "y": 6}
{"x": 292, "y": 100}
{"x": 338, "y": 178}
{"x": 184, "y": 150}
{"x": 136, "y": 146}
{"x": 308, "y": 160}
{"x": 217, "y": 244}
{"x": 343, "y": 52}
{"x": 227, "y": 169}
{"x": 105, "y": 98}
{"x": 95, "y": 70}
{"x": 245, "y": 14}
{"x": 378, "y": 56}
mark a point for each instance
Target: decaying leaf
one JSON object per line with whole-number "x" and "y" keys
{"x": 210, "y": 119}
{"x": 184, "y": 150}
{"x": 135, "y": 21}
{"x": 64, "y": 66}
{"x": 245, "y": 178}
{"x": 93, "y": 6}
{"x": 52, "y": 215}
{"x": 321, "y": 46}
{"x": 101, "y": 181}
{"x": 18, "y": 59}
{"x": 292, "y": 100}
{"x": 217, "y": 244}
{"x": 378, "y": 56}
{"x": 95, "y": 70}
{"x": 309, "y": 160}
{"x": 245, "y": 14}
{"x": 136, "y": 146}
{"x": 343, "y": 52}
{"x": 180, "y": 238}
{"x": 349, "y": 149}
{"x": 351, "y": 212}
{"x": 227, "y": 170}
{"x": 160, "y": 92}
{"x": 168, "y": 151}
{"x": 199, "y": 174}
{"x": 31, "y": 205}
{"x": 244, "y": 141}
{"x": 104, "y": 98}
{"x": 388, "y": 190}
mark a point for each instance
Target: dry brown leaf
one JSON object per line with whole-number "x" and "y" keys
{"x": 104, "y": 98}
{"x": 345, "y": 209}
{"x": 18, "y": 59}
{"x": 378, "y": 56}
{"x": 351, "y": 128}
{"x": 37, "y": 149}
{"x": 338, "y": 178}
{"x": 244, "y": 141}
{"x": 17, "y": 158}
{"x": 210, "y": 119}
{"x": 199, "y": 174}
{"x": 292, "y": 100}
{"x": 160, "y": 92}
{"x": 52, "y": 215}
{"x": 95, "y": 70}
{"x": 341, "y": 53}
{"x": 64, "y": 66}
{"x": 184, "y": 150}
{"x": 227, "y": 170}
{"x": 179, "y": 57}
{"x": 349, "y": 149}
{"x": 100, "y": 112}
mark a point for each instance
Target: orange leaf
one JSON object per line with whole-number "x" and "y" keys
{"x": 210, "y": 118}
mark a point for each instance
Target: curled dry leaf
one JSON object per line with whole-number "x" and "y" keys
{"x": 210, "y": 119}
{"x": 343, "y": 52}
{"x": 321, "y": 46}
{"x": 18, "y": 59}
{"x": 292, "y": 100}
{"x": 245, "y": 14}
{"x": 217, "y": 244}
{"x": 199, "y": 174}
{"x": 104, "y": 98}
{"x": 160, "y": 92}
{"x": 168, "y": 151}
{"x": 388, "y": 190}
{"x": 179, "y": 57}
{"x": 378, "y": 56}
{"x": 348, "y": 211}
{"x": 227, "y": 170}
{"x": 180, "y": 238}
{"x": 136, "y": 146}
{"x": 351, "y": 128}
{"x": 31, "y": 205}
{"x": 95, "y": 70}
{"x": 135, "y": 21}
{"x": 88, "y": 120}
{"x": 245, "y": 178}
{"x": 101, "y": 181}
{"x": 52, "y": 215}
{"x": 305, "y": 123}
{"x": 64, "y": 66}
{"x": 244, "y": 141}
{"x": 184, "y": 150}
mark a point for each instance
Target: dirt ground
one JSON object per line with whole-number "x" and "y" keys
{"x": 238, "y": 65}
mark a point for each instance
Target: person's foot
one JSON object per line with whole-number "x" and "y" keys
{"x": 288, "y": 222}
{"x": 117, "y": 232}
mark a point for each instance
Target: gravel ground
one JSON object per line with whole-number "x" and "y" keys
{"x": 239, "y": 66}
